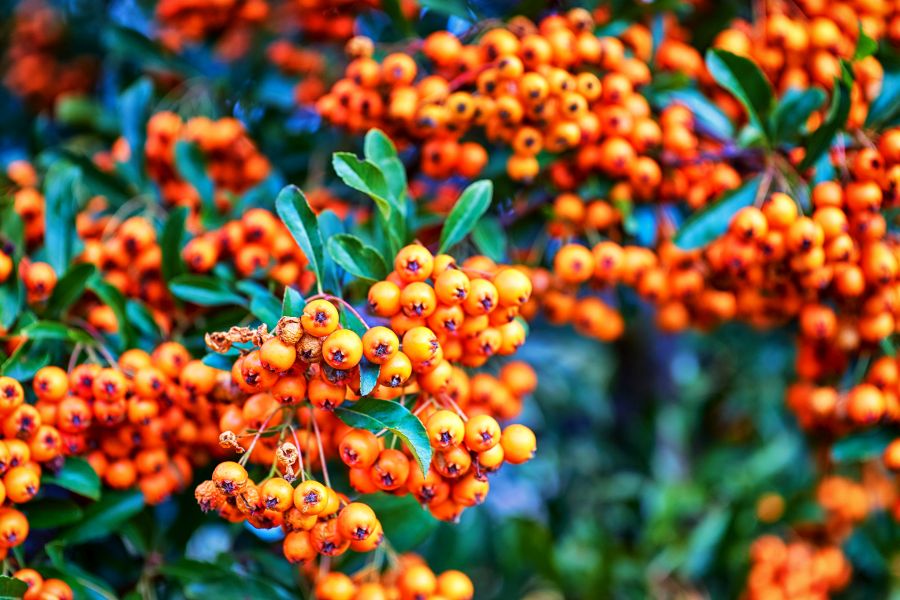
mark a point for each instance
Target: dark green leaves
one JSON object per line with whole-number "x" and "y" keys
{"x": 862, "y": 445}
{"x": 793, "y": 110}
{"x": 363, "y": 176}
{"x": 709, "y": 117}
{"x": 134, "y": 110}
{"x": 293, "y": 303}
{"x": 69, "y": 288}
{"x": 711, "y": 222}
{"x": 53, "y": 331}
{"x": 77, "y": 476}
{"x": 10, "y": 587}
{"x": 191, "y": 165}
{"x": 490, "y": 238}
{"x": 205, "y": 291}
{"x": 263, "y": 305}
{"x": 356, "y": 258}
{"x": 406, "y": 524}
{"x": 376, "y": 415}
{"x": 820, "y": 140}
{"x": 743, "y": 78}
{"x": 112, "y": 297}
{"x": 469, "y": 208}
{"x": 170, "y": 241}
{"x": 50, "y": 512}
{"x": 105, "y": 517}
{"x": 61, "y": 238}
{"x": 865, "y": 46}
{"x": 300, "y": 220}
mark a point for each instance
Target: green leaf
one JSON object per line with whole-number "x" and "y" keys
{"x": 293, "y": 303}
{"x": 48, "y": 513}
{"x": 863, "y": 445}
{"x": 469, "y": 208}
{"x": 52, "y": 330}
{"x": 191, "y": 165}
{"x": 490, "y": 238}
{"x": 134, "y": 111}
{"x": 263, "y": 305}
{"x": 743, "y": 78}
{"x": 171, "y": 242}
{"x": 356, "y": 258}
{"x": 406, "y": 524}
{"x": 865, "y": 46}
{"x": 140, "y": 316}
{"x": 69, "y": 288}
{"x": 887, "y": 104}
{"x": 451, "y": 8}
{"x": 77, "y": 475}
{"x": 12, "y": 292}
{"x": 352, "y": 322}
{"x": 380, "y": 150}
{"x": 709, "y": 117}
{"x": 105, "y": 516}
{"x": 299, "y": 218}
{"x": 793, "y": 110}
{"x": 61, "y": 237}
{"x": 112, "y": 297}
{"x": 711, "y": 222}
{"x": 10, "y": 587}
{"x": 364, "y": 176}
{"x": 375, "y": 415}
{"x": 820, "y": 140}
{"x": 205, "y": 291}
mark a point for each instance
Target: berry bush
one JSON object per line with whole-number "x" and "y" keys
{"x": 449, "y": 299}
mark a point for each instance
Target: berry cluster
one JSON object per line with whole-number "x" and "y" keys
{"x": 232, "y": 160}
{"x": 797, "y": 569}
{"x": 529, "y": 86}
{"x": 256, "y": 244}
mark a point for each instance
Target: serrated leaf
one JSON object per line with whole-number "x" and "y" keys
{"x": 746, "y": 82}
{"x": 819, "y": 141}
{"x": 77, "y": 475}
{"x": 356, "y": 258}
{"x": 293, "y": 303}
{"x": 170, "y": 241}
{"x": 472, "y": 204}
{"x": 298, "y": 217}
{"x": 48, "y": 513}
{"x": 54, "y": 331}
{"x": 69, "y": 288}
{"x": 375, "y": 415}
{"x": 105, "y": 516}
{"x": 205, "y": 291}
{"x": 708, "y": 224}
{"x": 793, "y": 110}
{"x": 60, "y": 237}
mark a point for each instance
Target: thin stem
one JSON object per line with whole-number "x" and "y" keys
{"x": 344, "y": 303}
{"x": 73, "y": 359}
{"x": 246, "y": 456}
{"x": 299, "y": 453}
{"x": 455, "y": 406}
{"x": 321, "y": 450}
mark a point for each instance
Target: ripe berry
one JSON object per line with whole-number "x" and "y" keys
{"x": 319, "y": 318}
{"x": 356, "y": 521}
{"x": 445, "y": 428}
{"x": 342, "y": 349}
{"x": 230, "y": 477}
{"x": 519, "y": 444}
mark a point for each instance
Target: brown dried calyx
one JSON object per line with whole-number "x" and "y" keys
{"x": 309, "y": 348}
{"x": 221, "y": 341}
{"x": 289, "y": 330}
{"x": 287, "y": 455}
{"x": 227, "y": 439}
